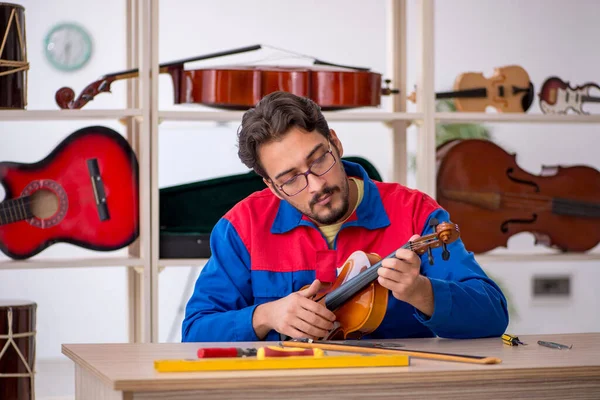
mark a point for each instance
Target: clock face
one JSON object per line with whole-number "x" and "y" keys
{"x": 68, "y": 47}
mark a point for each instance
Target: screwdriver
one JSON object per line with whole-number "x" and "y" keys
{"x": 512, "y": 340}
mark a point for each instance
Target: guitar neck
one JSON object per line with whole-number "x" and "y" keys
{"x": 590, "y": 99}
{"x": 15, "y": 210}
{"x": 339, "y": 296}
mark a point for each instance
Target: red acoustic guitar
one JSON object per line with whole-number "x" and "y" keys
{"x": 84, "y": 193}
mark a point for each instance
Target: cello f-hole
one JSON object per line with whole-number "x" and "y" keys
{"x": 504, "y": 226}
{"x": 509, "y": 171}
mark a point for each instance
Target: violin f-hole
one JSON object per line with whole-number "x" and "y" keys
{"x": 504, "y": 226}
{"x": 509, "y": 171}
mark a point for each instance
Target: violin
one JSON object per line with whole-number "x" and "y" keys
{"x": 356, "y": 297}
{"x": 492, "y": 198}
{"x": 331, "y": 86}
{"x": 557, "y": 96}
{"x": 507, "y": 90}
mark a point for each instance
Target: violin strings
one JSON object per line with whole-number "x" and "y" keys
{"x": 565, "y": 206}
{"x": 339, "y": 296}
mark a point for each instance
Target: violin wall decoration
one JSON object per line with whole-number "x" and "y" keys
{"x": 492, "y": 198}
{"x": 507, "y": 90}
{"x": 358, "y": 300}
{"x": 235, "y": 87}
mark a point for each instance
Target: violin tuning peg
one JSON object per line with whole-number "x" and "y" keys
{"x": 433, "y": 222}
{"x": 445, "y": 252}
{"x": 429, "y": 256}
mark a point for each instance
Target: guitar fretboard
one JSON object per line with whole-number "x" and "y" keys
{"x": 15, "y": 210}
{"x": 590, "y": 99}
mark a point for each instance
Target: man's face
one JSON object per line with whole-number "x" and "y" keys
{"x": 326, "y": 198}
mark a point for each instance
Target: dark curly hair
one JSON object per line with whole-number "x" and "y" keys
{"x": 271, "y": 119}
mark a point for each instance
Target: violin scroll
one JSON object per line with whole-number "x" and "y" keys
{"x": 65, "y": 96}
{"x": 445, "y": 233}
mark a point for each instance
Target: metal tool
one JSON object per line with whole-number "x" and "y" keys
{"x": 554, "y": 345}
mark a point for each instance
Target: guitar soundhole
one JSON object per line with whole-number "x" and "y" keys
{"x": 49, "y": 203}
{"x": 44, "y": 204}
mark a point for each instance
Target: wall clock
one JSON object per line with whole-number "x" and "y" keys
{"x": 68, "y": 46}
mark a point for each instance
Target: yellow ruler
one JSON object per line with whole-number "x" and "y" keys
{"x": 294, "y": 362}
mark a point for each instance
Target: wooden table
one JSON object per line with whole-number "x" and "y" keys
{"x": 126, "y": 371}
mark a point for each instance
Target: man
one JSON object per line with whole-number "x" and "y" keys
{"x": 316, "y": 211}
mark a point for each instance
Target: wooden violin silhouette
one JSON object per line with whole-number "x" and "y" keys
{"x": 558, "y": 97}
{"x": 492, "y": 198}
{"x": 358, "y": 300}
{"x": 332, "y": 86}
{"x": 507, "y": 90}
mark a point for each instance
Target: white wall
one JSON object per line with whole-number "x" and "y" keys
{"x": 546, "y": 38}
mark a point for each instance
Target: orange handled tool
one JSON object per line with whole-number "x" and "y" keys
{"x": 272, "y": 351}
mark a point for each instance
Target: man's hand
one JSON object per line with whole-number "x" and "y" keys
{"x": 402, "y": 276}
{"x": 295, "y": 315}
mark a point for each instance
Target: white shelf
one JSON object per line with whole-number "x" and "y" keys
{"x": 182, "y": 262}
{"x": 236, "y": 116}
{"x": 515, "y": 117}
{"x": 50, "y": 115}
{"x": 72, "y": 263}
{"x": 533, "y": 257}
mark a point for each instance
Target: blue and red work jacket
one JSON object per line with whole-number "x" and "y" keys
{"x": 263, "y": 249}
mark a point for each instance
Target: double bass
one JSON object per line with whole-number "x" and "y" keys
{"x": 492, "y": 198}
{"x": 331, "y": 86}
{"x": 356, "y": 297}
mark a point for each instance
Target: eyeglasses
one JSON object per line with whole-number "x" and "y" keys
{"x": 318, "y": 167}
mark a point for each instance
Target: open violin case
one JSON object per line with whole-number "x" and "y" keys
{"x": 189, "y": 212}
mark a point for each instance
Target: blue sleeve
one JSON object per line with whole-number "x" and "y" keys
{"x": 221, "y": 306}
{"x": 467, "y": 303}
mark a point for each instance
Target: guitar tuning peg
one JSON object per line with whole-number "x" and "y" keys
{"x": 429, "y": 256}
{"x": 445, "y": 252}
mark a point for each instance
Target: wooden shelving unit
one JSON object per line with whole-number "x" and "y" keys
{"x": 142, "y": 115}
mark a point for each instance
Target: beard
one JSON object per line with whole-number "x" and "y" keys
{"x": 329, "y": 213}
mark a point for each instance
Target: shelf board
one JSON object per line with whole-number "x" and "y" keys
{"x": 182, "y": 262}
{"x": 50, "y": 115}
{"x": 71, "y": 263}
{"x": 515, "y": 117}
{"x": 236, "y": 116}
{"x": 533, "y": 257}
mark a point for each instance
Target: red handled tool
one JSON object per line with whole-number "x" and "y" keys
{"x": 260, "y": 353}
{"x": 215, "y": 352}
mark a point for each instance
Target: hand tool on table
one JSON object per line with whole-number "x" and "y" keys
{"x": 260, "y": 353}
{"x": 512, "y": 340}
{"x": 374, "y": 349}
{"x": 554, "y": 345}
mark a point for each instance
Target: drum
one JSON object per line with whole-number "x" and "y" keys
{"x": 13, "y": 57}
{"x": 17, "y": 349}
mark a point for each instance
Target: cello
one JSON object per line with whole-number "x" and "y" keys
{"x": 507, "y": 90}
{"x": 356, "y": 297}
{"x": 331, "y": 86}
{"x": 492, "y": 198}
